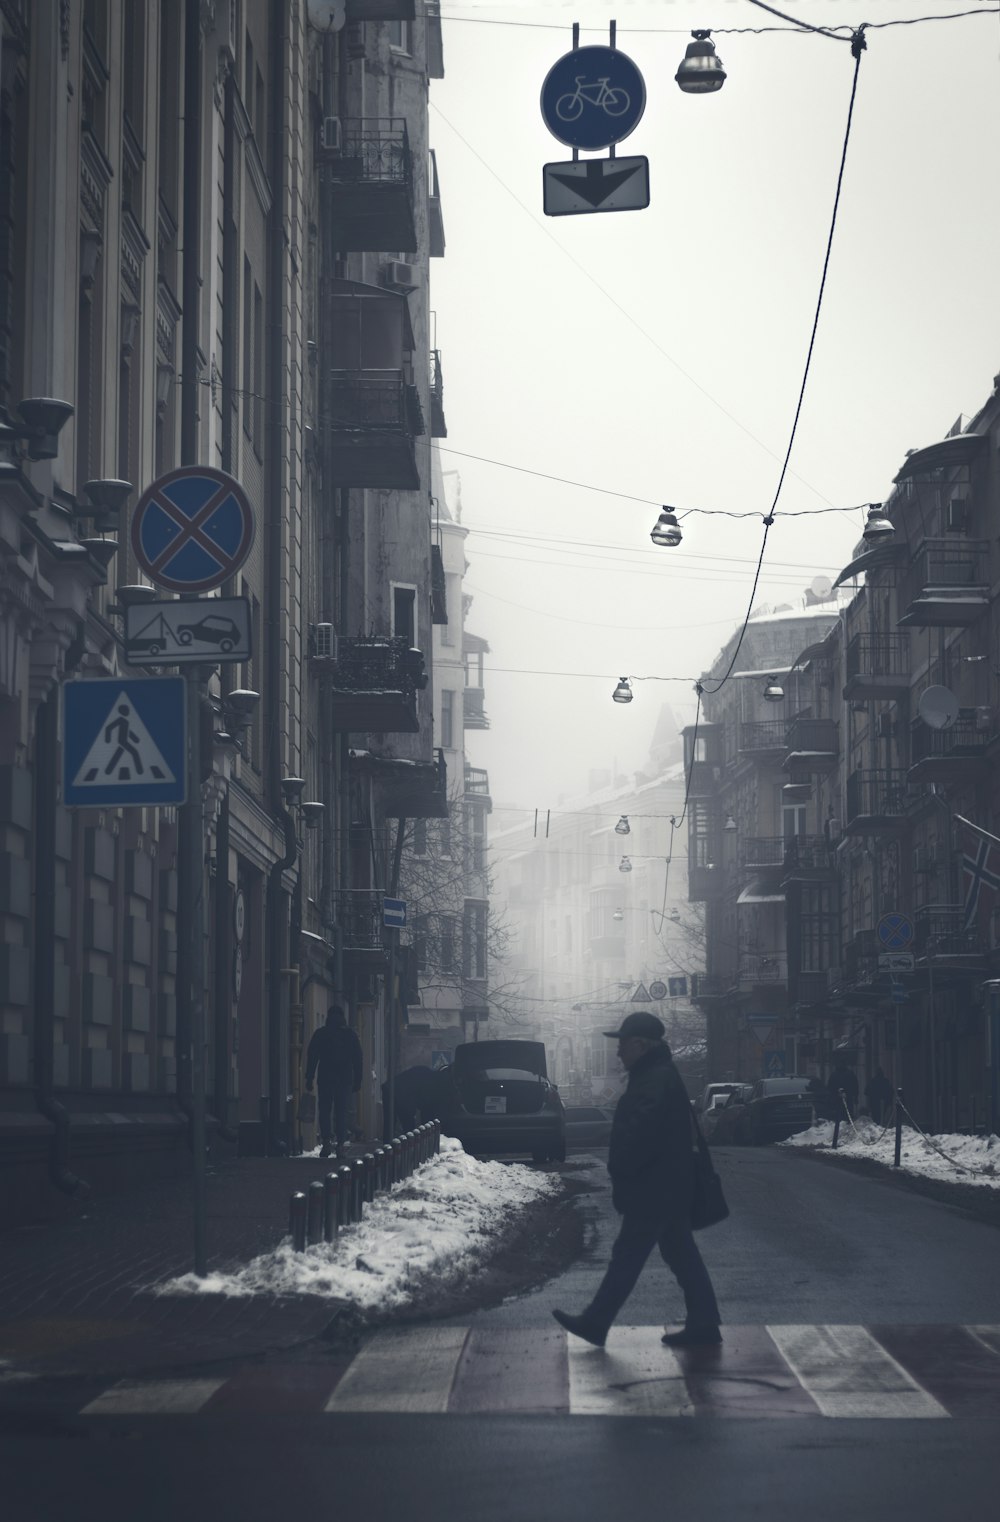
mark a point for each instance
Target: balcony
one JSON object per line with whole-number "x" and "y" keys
{"x": 474, "y": 706}
{"x": 369, "y": 183}
{"x": 762, "y": 736}
{"x": 955, "y": 754}
{"x": 477, "y": 783}
{"x": 439, "y": 429}
{"x": 411, "y": 789}
{"x": 358, "y": 917}
{"x": 878, "y": 666}
{"x": 808, "y": 859}
{"x": 762, "y": 970}
{"x": 812, "y": 745}
{"x": 939, "y": 933}
{"x": 876, "y": 802}
{"x": 946, "y": 585}
{"x": 372, "y": 420}
{"x": 374, "y": 685}
{"x": 861, "y": 957}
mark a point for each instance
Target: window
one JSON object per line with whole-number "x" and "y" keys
{"x": 477, "y": 841}
{"x": 247, "y": 344}
{"x": 474, "y": 941}
{"x": 447, "y": 926}
{"x": 401, "y": 36}
{"x": 420, "y": 941}
{"x": 444, "y": 836}
{"x": 366, "y": 333}
{"x": 420, "y": 837}
{"x": 793, "y": 820}
{"x": 404, "y": 613}
{"x": 453, "y": 596}
{"x": 447, "y": 718}
{"x": 258, "y": 371}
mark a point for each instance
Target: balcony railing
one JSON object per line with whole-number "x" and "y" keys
{"x": 947, "y": 583}
{"x": 762, "y": 735}
{"x": 758, "y": 969}
{"x": 938, "y": 931}
{"x": 439, "y": 428}
{"x": 940, "y": 755}
{"x": 370, "y": 179}
{"x": 374, "y": 684}
{"x": 477, "y": 781}
{"x": 877, "y": 666}
{"x": 876, "y": 801}
{"x": 358, "y": 915}
{"x": 372, "y": 420}
{"x": 761, "y": 851}
{"x": 474, "y": 706}
{"x": 812, "y": 744}
{"x": 808, "y": 857}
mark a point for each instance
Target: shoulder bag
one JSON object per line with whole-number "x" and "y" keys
{"x": 708, "y": 1206}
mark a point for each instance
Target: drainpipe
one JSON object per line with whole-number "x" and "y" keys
{"x": 46, "y": 767}
{"x": 274, "y": 514}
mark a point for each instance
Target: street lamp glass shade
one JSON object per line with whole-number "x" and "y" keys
{"x": 667, "y": 530}
{"x": 674, "y": 916}
{"x": 623, "y": 827}
{"x": 623, "y": 692}
{"x": 618, "y": 915}
{"x": 730, "y": 823}
{"x": 700, "y": 71}
{"x": 878, "y": 528}
{"x": 624, "y": 865}
{"x": 774, "y": 692}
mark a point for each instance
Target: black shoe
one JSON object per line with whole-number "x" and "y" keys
{"x": 326, "y": 1150}
{"x": 692, "y": 1337}
{"x": 581, "y": 1327}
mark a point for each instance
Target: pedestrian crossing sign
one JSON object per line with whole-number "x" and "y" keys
{"x": 124, "y": 742}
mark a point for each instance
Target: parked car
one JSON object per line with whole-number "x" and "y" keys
{"x": 709, "y": 1118}
{"x": 778, "y": 1108}
{"x": 707, "y": 1093}
{"x": 496, "y": 1098}
{"x": 587, "y": 1126}
{"x": 730, "y": 1117}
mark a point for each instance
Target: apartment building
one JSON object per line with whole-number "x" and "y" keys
{"x": 220, "y": 225}
{"x": 848, "y": 899}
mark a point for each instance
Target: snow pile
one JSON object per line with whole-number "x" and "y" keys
{"x": 441, "y": 1222}
{"x": 967, "y": 1159}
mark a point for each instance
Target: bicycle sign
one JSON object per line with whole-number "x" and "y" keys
{"x": 593, "y": 97}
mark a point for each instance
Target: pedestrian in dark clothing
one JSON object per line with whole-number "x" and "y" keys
{"x": 417, "y": 1096}
{"x": 843, "y": 1077}
{"x": 335, "y": 1053}
{"x": 878, "y": 1091}
{"x": 651, "y": 1162}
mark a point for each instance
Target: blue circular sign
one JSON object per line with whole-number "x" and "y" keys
{"x": 192, "y": 529}
{"x": 593, "y": 97}
{"x": 894, "y": 930}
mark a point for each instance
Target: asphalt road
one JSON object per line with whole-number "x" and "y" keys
{"x": 822, "y": 1262}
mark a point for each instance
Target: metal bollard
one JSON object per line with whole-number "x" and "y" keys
{"x": 297, "y": 1221}
{"x": 836, "y": 1133}
{"x": 437, "y": 1136}
{"x": 346, "y": 1213}
{"x": 425, "y": 1139}
{"x": 314, "y": 1212}
{"x": 369, "y": 1162}
{"x": 899, "y": 1128}
{"x": 397, "y": 1159}
{"x": 408, "y": 1141}
{"x": 331, "y": 1206}
{"x": 358, "y": 1189}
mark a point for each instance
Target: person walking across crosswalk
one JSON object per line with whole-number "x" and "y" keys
{"x": 651, "y": 1162}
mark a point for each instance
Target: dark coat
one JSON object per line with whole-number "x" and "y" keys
{"x": 336, "y": 1051}
{"x": 651, "y": 1153}
{"x": 843, "y": 1078}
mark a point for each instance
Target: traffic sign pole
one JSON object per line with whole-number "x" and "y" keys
{"x": 191, "y": 928}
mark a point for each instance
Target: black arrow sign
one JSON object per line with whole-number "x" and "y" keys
{"x": 596, "y": 182}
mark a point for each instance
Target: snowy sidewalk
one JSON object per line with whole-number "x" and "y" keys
{"x": 440, "y": 1224}
{"x": 953, "y": 1159}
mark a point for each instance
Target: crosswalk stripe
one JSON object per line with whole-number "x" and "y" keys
{"x": 849, "y": 1374}
{"x": 633, "y": 1375}
{"x": 159, "y": 1397}
{"x": 402, "y": 1370}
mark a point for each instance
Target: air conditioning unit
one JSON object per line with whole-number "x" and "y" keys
{"x": 984, "y": 717}
{"x": 331, "y": 134}
{"x": 323, "y": 643}
{"x": 398, "y": 276}
{"x": 956, "y": 518}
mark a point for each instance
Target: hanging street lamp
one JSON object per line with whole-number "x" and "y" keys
{"x": 623, "y": 692}
{"x": 666, "y": 530}
{"x": 700, "y": 71}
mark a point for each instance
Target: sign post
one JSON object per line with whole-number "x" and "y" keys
{"x": 393, "y": 918}
{"x": 191, "y": 530}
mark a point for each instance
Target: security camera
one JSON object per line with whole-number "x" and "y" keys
{"x": 44, "y": 417}
{"x": 292, "y": 787}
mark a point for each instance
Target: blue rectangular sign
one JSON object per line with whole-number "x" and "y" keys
{"x": 124, "y": 742}
{"x": 394, "y": 911}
